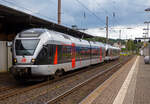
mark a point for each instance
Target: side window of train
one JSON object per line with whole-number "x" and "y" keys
{"x": 43, "y": 53}
{"x": 60, "y": 53}
{"x": 77, "y": 53}
{"x": 51, "y": 53}
{"x": 64, "y": 53}
{"x": 103, "y": 52}
{"x": 43, "y": 56}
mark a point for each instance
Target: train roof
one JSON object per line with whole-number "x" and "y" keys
{"x": 37, "y": 32}
{"x": 112, "y": 47}
{"x": 74, "y": 39}
{"x": 66, "y": 37}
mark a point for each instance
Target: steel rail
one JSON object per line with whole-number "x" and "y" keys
{"x": 57, "y": 98}
{"x": 18, "y": 91}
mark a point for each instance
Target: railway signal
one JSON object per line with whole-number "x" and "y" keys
{"x": 135, "y": 41}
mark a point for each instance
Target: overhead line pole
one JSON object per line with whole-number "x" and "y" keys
{"x": 148, "y": 29}
{"x": 147, "y": 34}
{"x": 120, "y": 34}
{"x": 59, "y": 12}
{"x": 106, "y": 29}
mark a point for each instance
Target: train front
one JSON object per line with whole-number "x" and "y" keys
{"x": 26, "y": 46}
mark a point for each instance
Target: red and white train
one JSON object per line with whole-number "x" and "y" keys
{"x": 43, "y": 52}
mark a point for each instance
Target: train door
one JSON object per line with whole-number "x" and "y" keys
{"x": 90, "y": 53}
{"x": 73, "y": 56}
{"x": 51, "y": 53}
{"x": 100, "y": 54}
{"x": 111, "y": 54}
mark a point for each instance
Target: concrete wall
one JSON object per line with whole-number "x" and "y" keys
{"x": 9, "y": 57}
{"x": 5, "y": 56}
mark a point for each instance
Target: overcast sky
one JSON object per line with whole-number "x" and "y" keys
{"x": 91, "y": 14}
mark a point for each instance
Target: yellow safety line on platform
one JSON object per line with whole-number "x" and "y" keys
{"x": 122, "y": 92}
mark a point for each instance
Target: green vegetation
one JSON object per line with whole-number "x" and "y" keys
{"x": 133, "y": 48}
{"x": 103, "y": 40}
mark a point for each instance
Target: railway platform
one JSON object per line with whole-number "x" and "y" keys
{"x": 129, "y": 85}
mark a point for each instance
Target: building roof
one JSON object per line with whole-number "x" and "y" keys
{"x": 13, "y": 21}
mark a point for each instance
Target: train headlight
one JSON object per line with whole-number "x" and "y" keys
{"x": 15, "y": 60}
{"x": 33, "y": 60}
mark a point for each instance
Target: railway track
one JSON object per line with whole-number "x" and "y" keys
{"x": 66, "y": 93}
{"x": 16, "y": 91}
{"x": 3, "y": 89}
{"x": 58, "y": 91}
{"x": 20, "y": 91}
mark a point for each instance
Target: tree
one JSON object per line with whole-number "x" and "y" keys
{"x": 132, "y": 47}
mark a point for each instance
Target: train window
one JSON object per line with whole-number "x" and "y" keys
{"x": 42, "y": 57}
{"x": 82, "y": 52}
{"x": 94, "y": 52}
{"x": 104, "y": 50}
{"x": 78, "y": 57}
{"x": 59, "y": 53}
{"x": 69, "y": 53}
{"x": 26, "y": 46}
{"x": 51, "y": 53}
{"x": 65, "y": 54}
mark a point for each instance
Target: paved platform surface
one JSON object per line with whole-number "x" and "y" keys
{"x": 129, "y": 85}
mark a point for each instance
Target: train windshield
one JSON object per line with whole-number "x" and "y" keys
{"x": 26, "y": 46}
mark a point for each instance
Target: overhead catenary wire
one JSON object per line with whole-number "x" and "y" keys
{"x": 100, "y": 20}
{"x": 116, "y": 16}
{"x": 112, "y": 18}
{"x": 49, "y": 18}
{"x": 29, "y": 10}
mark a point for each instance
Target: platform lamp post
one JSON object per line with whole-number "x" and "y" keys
{"x": 147, "y": 22}
{"x": 107, "y": 30}
{"x": 148, "y": 10}
{"x": 145, "y": 33}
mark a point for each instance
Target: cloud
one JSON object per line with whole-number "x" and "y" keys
{"x": 127, "y": 32}
{"x": 70, "y": 19}
{"x": 95, "y": 5}
{"x": 125, "y": 10}
{"x": 127, "y": 13}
